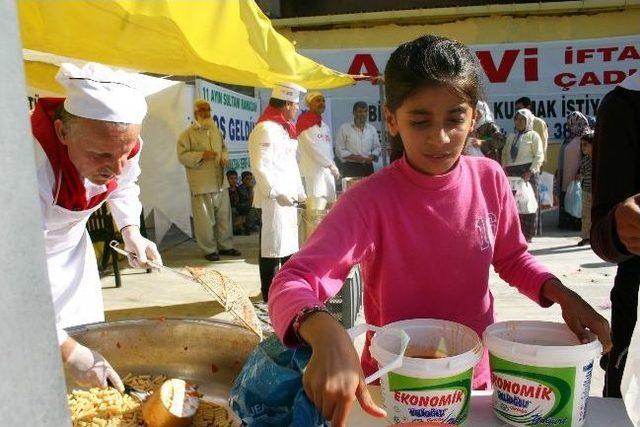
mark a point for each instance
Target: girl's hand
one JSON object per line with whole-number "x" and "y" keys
{"x": 333, "y": 379}
{"x": 578, "y": 314}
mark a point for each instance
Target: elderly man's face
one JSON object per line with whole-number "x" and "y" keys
{"x": 317, "y": 105}
{"x": 98, "y": 150}
{"x": 360, "y": 116}
{"x": 203, "y": 112}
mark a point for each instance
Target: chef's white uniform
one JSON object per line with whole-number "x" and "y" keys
{"x": 71, "y": 260}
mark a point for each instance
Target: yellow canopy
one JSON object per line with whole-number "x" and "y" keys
{"x": 229, "y": 41}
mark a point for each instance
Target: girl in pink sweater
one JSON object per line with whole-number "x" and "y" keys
{"x": 426, "y": 230}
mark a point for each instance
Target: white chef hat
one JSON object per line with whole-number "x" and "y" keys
{"x": 311, "y": 96}
{"x": 98, "y": 92}
{"x": 287, "y": 92}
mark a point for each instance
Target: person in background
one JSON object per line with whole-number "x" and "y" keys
{"x": 569, "y": 164}
{"x": 237, "y": 218}
{"x": 584, "y": 177}
{"x": 203, "y": 153}
{"x": 615, "y": 215}
{"x": 539, "y": 125}
{"x": 411, "y": 239}
{"x": 245, "y": 190}
{"x": 486, "y": 134}
{"x": 316, "y": 154}
{"x": 523, "y": 156}
{"x": 87, "y": 152}
{"x": 273, "y": 148}
{"x": 358, "y": 144}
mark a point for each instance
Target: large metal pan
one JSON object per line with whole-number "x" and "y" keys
{"x": 207, "y": 352}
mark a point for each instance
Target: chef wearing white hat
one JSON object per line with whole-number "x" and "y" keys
{"x": 272, "y": 151}
{"x": 316, "y": 154}
{"x": 87, "y": 149}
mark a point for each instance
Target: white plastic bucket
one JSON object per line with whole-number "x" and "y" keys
{"x": 421, "y": 389}
{"x": 541, "y": 373}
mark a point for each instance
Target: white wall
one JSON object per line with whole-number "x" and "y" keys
{"x": 32, "y": 390}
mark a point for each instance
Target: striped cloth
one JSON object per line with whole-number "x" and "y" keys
{"x": 585, "y": 172}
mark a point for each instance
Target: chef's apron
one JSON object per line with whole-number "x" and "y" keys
{"x": 279, "y": 234}
{"x": 72, "y": 267}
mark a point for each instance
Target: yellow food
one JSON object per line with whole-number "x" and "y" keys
{"x": 109, "y": 408}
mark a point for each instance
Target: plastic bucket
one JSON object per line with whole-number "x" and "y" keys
{"x": 432, "y": 384}
{"x": 540, "y": 372}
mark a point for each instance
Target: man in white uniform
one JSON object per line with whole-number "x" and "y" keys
{"x": 316, "y": 154}
{"x": 272, "y": 151}
{"x": 202, "y": 151}
{"x": 87, "y": 148}
{"x": 358, "y": 144}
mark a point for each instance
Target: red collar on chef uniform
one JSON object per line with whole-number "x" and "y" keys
{"x": 272, "y": 114}
{"x": 307, "y": 120}
{"x": 72, "y": 194}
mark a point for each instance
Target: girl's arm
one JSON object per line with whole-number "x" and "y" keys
{"x": 333, "y": 378}
{"x": 519, "y": 268}
{"x": 317, "y": 272}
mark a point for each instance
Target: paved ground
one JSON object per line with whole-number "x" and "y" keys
{"x": 165, "y": 294}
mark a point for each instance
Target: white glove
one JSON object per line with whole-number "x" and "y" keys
{"x": 284, "y": 200}
{"x": 334, "y": 171}
{"x": 144, "y": 249}
{"x": 89, "y": 369}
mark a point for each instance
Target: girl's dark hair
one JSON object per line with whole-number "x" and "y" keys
{"x": 430, "y": 61}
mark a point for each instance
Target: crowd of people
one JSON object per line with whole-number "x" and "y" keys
{"x": 409, "y": 226}
{"x": 298, "y": 164}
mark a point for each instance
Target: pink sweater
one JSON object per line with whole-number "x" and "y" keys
{"x": 425, "y": 245}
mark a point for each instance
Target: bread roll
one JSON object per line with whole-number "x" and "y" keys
{"x": 172, "y": 405}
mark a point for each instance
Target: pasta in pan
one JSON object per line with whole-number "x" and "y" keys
{"x": 98, "y": 407}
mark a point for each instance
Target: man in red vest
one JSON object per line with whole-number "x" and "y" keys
{"x": 87, "y": 148}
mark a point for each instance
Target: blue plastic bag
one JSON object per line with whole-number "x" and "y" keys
{"x": 268, "y": 391}
{"x": 573, "y": 199}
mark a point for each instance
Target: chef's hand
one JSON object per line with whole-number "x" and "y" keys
{"x": 333, "y": 379}
{"x": 578, "y": 314}
{"x": 284, "y": 200}
{"x": 627, "y": 216}
{"x": 87, "y": 367}
{"x": 144, "y": 249}
{"x": 334, "y": 171}
{"x": 209, "y": 155}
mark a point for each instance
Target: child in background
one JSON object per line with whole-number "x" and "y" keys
{"x": 586, "y": 145}
{"x": 425, "y": 230}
